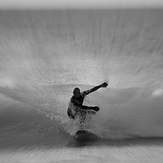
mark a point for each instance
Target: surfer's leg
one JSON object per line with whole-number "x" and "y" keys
{"x": 81, "y": 124}
{"x": 82, "y": 116}
{"x": 83, "y": 113}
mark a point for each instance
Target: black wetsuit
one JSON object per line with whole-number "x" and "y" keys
{"x": 76, "y": 104}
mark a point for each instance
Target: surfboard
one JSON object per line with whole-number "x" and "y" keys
{"x": 85, "y": 135}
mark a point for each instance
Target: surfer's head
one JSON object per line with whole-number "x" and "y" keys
{"x": 76, "y": 92}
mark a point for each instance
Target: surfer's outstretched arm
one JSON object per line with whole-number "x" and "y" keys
{"x": 95, "y": 88}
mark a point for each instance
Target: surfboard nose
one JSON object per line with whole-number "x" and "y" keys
{"x": 84, "y": 135}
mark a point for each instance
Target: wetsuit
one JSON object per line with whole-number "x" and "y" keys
{"x": 75, "y": 106}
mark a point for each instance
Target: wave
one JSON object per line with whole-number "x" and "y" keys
{"x": 124, "y": 113}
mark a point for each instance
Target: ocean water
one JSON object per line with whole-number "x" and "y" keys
{"x": 46, "y": 54}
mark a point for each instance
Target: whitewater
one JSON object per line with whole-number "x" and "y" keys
{"x": 46, "y": 54}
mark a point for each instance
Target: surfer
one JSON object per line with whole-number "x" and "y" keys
{"x": 76, "y": 107}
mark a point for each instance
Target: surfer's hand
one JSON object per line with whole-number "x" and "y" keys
{"x": 96, "y": 108}
{"x": 104, "y": 84}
